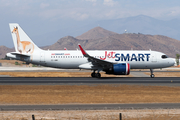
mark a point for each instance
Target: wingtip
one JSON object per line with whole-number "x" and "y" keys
{"x": 82, "y": 50}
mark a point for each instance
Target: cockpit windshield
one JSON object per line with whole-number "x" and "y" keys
{"x": 164, "y": 56}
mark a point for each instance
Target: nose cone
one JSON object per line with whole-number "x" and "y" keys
{"x": 171, "y": 61}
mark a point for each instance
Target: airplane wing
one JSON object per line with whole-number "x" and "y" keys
{"x": 65, "y": 48}
{"x": 95, "y": 61}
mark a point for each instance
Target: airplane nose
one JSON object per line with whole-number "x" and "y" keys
{"x": 172, "y": 62}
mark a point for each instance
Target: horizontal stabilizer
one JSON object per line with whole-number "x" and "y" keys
{"x": 19, "y": 54}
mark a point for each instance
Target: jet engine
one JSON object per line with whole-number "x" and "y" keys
{"x": 119, "y": 69}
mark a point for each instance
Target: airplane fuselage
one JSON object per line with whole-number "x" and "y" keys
{"x": 69, "y": 59}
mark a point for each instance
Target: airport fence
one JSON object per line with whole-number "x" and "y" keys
{"x": 140, "y": 114}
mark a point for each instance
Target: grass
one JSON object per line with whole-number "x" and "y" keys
{"x": 59, "y": 94}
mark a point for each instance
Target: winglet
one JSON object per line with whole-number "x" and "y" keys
{"x": 82, "y": 50}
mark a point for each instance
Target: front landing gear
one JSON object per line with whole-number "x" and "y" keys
{"x": 95, "y": 75}
{"x": 152, "y": 75}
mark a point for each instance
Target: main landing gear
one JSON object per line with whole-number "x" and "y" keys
{"x": 152, "y": 75}
{"x": 95, "y": 75}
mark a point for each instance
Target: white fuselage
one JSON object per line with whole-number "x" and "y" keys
{"x": 69, "y": 59}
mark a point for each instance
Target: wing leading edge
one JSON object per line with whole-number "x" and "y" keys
{"x": 95, "y": 61}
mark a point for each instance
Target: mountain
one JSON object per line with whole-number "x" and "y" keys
{"x": 69, "y": 42}
{"x": 114, "y": 41}
{"x": 143, "y": 24}
{"x": 46, "y": 33}
{"x": 4, "y": 50}
{"x": 100, "y": 39}
{"x": 95, "y": 33}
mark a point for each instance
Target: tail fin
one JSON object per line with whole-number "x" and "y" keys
{"x": 22, "y": 43}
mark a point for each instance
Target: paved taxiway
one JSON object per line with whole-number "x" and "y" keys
{"x": 90, "y": 106}
{"x": 167, "y": 81}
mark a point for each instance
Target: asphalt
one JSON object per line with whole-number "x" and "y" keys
{"x": 164, "y": 81}
{"x": 90, "y": 106}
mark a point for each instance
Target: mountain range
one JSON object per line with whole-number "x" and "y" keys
{"x": 99, "y": 38}
{"x": 136, "y": 24}
{"x": 48, "y": 32}
{"x": 102, "y": 39}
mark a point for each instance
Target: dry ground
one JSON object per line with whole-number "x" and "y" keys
{"x": 81, "y": 74}
{"x": 56, "y": 74}
{"x": 158, "y": 114}
{"x": 59, "y": 94}
{"x": 10, "y": 61}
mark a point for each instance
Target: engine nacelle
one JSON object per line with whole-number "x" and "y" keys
{"x": 120, "y": 69}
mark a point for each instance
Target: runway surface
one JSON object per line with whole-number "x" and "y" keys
{"x": 90, "y": 106}
{"x": 167, "y": 81}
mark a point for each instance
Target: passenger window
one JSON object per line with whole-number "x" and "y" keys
{"x": 164, "y": 56}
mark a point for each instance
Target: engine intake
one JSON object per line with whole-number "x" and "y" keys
{"x": 120, "y": 69}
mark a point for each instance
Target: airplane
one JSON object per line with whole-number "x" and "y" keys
{"x": 116, "y": 62}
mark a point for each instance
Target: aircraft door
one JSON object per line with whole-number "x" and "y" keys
{"x": 154, "y": 58}
{"x": 42, "y": 58}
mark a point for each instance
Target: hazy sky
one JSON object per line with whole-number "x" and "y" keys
{"x": 45, "y": 12}
{"x": 89, "y": 9}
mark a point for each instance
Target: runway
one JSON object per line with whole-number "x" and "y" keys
{"x": 167, "y": 81}
{"x": 90, "y": 106}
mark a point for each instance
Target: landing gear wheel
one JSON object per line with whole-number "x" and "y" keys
{"x": 98, "y": 75}
{"x": 93, "y": 74}
{"x": 152, "y": 75}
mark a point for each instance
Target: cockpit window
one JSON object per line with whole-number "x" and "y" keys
{"x": 164, "y": 56}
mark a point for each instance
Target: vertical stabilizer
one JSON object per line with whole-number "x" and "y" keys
{"x": 22, "y": 43}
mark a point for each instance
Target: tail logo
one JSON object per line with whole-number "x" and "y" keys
{"x": 23, "y": 46}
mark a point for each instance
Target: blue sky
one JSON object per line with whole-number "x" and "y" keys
{"x": 52, "y": 12}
